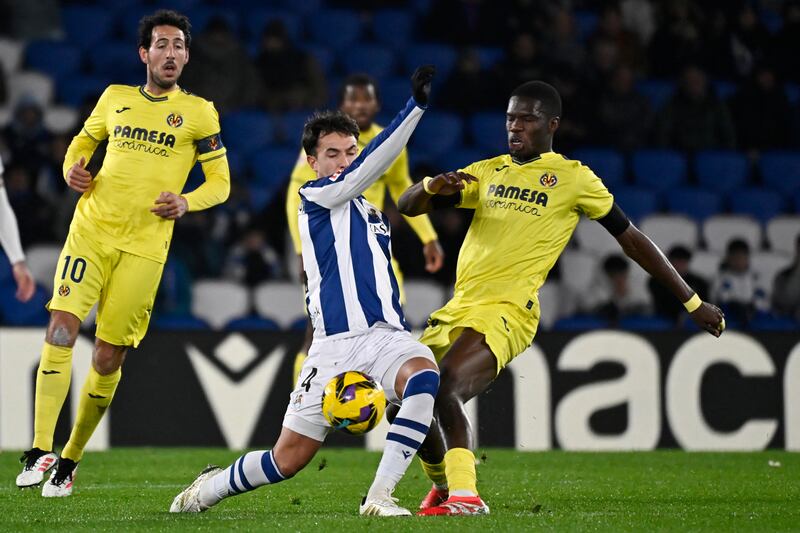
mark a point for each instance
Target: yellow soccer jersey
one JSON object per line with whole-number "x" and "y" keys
{"x": 153, "y": 142}
{"x": 396, "y": 179}
{"x": 524, "y": 217}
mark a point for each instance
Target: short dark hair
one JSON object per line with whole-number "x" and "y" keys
{"x": 680, "y": 252}
{"x": 359, "y": 79}
{"x": 615, "y": 264}
{"x": 163, "y": 17}
{"x": 544, "y": 92}
{"x": 325, "y": 122}
{"x": 738, "y": 245}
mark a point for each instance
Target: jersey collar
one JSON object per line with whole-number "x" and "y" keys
{"x": 531, "y": 160}
{"x": 162, "y": 98}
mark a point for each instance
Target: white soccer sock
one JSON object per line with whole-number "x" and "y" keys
{"x": 248, "y": 472}
{"x": 407, "y": 431}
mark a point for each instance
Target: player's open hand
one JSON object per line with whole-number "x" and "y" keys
{"x": 78, "y": 178}
{"x": 434, "y": 256}
{"x": 24, "y": 280}
{"x": 170, "y": 206}
{"x": 449, "y": 183}
{"x": 710, "y": 318}
{"x": 421, "y": 83}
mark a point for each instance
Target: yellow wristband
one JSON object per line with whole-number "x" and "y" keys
{"x": 693, "y": 303}
{"x": 425, "y": 183}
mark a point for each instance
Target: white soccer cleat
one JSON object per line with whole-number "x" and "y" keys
{"x": 382, "y": 505}
{"x": 188, "y": 500}
{"x": 37, "y": 463}
{"x": 61, "y": 479}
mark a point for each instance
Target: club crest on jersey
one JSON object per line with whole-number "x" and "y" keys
{"x": 175, "y": 120}
{"x": 548, "y": 179}
{"x": 63, "y": 290}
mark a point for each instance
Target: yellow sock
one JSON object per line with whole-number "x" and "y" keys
{"x": 435, "y": 472}
{"x": 52, "y": 387}
{"x": 96, "y": 396}
{"x": 459, "y": 466}
{"x": 299, "y": 359}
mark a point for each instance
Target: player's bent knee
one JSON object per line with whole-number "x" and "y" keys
{"x": 425, "y": 381}
{"x": 108, "y": 358}
{"x": 62, "y": 329}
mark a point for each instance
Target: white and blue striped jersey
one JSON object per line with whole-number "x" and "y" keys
{"x": 347, "y": 241}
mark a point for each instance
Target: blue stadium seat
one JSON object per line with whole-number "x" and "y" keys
{"x": 636, "y": 202}
{"x": 437, "y": 134}
{"x": 393, "y": 27}
{"x": 490, "y": 55}
{"x": 645, "y": 323}
{"x": 781, "y": 170}
{"x": 302, "y": 7}
{"x": 73, "y": 91}
{"x": 324, "y": 57}
{"x": 375, "y": 60}
{"x": 128, "y": 19}
{"x": 334, "y": 28}
{"x": 441, "y": 55}
{"x": 585, "y": 23}
{"x": 394, "y": 93}
{"x": 299, "y": 324}
{"x": 58, "y": 59}
{"x": 201, "y": 15}
{"x": 5, "y": 268}
{"x": 273, "y": 166}
{"x": 15, "y": 313}
{"x": 608, "y": 164}
{"x": 792, "y": 91}
{"x": 86, "y": 26}
{"x": 656, "y": 91}
{"x": 488, "y": 132}
{"x": 252, "y": 323}
{"x": 260, "y": 196}
{"x": 721, "y": 170}
{"x": 291, "y": 126}
{"x": 247, "y": 131}
{"x": 725, "y": 89}
{"x": 118, "y": 61}
{"x": 761, "y": 203}
{"x": 658, "y": 169}
{"x": 694, "y": 202}
{"x": 579, "y": 323}
{"x": 459, "y": 158}
{"x": 255, "y": 20}
{"x": 769, "y": 322}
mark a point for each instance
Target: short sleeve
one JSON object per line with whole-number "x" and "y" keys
{"x": 593, "y": 198}
{"x": 470, "y": 196}
{"x": 208, "y": 136}
{"x": 95, "y": 126}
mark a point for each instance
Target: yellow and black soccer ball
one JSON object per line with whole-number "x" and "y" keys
{"x": 353, "y": 402}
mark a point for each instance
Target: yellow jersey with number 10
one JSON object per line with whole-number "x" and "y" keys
{"x": 153, "y": 142}
{"x": 524, "y": 217}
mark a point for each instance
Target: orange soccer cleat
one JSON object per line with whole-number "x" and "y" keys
{"x": 458, "y": 506}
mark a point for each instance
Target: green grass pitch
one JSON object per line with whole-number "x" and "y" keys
{"x": 131, "y": 489}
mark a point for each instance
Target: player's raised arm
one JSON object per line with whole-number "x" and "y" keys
{"x": 378, "y": 155}
{"x": 641, "y": 249}
{"x": 442, "y": 190}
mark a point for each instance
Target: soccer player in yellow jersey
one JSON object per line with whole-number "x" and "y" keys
{"x": 526, "y": 205}
{"x": 120, "y": 234}
{"x": 359, "y": 98}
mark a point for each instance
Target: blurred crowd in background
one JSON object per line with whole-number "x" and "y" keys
{"x": 678, "y": 78}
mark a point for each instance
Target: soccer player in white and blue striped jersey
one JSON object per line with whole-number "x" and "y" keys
{"x": 353, "y": 301}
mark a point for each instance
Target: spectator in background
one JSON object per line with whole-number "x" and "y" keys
{"x": 35, "y": 215}
{"x": 220, "y": 69}
{"x": 786, "y": 288}
{"x": 624, "y": 116}
{"x": 252, "y": 260}
{"x": 12, "y": 246}
{"x": 787, "y": 43}
{"x": 578, "y": 118}
{"x": 664, "y": 302}
{"x": 25, "y": 136}
{"x": 678, "y": 40}
{"x": 694, "y": 118}
{"x": 292, "y": 79}
{"x": 469, "y": 88}
{"x": 523, "y": 61}
{"x": 750, "y": 40}
{"x": 612, "y": 296}
{"x": 563, "y": 46}
{"x": 639, "y": 17}
{"x": 627, "y": 48}
{"x": 761, "y": 112}
{"x": 736, "y": 290}
{"x": 175, "y": 291}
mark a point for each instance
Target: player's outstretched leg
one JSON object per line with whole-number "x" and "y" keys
{"x": 291, "y": 454}
{"x": 467, "y": 369}
{"x": 416, "y": 384}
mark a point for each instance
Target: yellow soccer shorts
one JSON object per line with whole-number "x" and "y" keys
{"x": 508, "y": 328}
{"x": 123, "y": 285}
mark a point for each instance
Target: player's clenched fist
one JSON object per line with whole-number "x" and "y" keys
{"x": 170, "y": 206}
{"x": 78, "y": 178}
{"x": 447, "y": 183}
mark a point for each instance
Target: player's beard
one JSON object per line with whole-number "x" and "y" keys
{"x": 161, "y": 82}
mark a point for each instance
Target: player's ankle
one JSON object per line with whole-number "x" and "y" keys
{"x": 463, "y": 493}
{"x": 382, "y": 486}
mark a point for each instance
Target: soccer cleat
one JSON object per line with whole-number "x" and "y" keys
{"x": 458, "y": 506}
{"x": 61, "y": 479}
{"x": 433, "y": 498}
{"x": 188, "y": 501}
{"x": 37, "y": 463}
{"x": 382, "y": 505}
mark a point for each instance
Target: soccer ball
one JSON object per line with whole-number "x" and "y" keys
{"x": 353, "y": 402}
